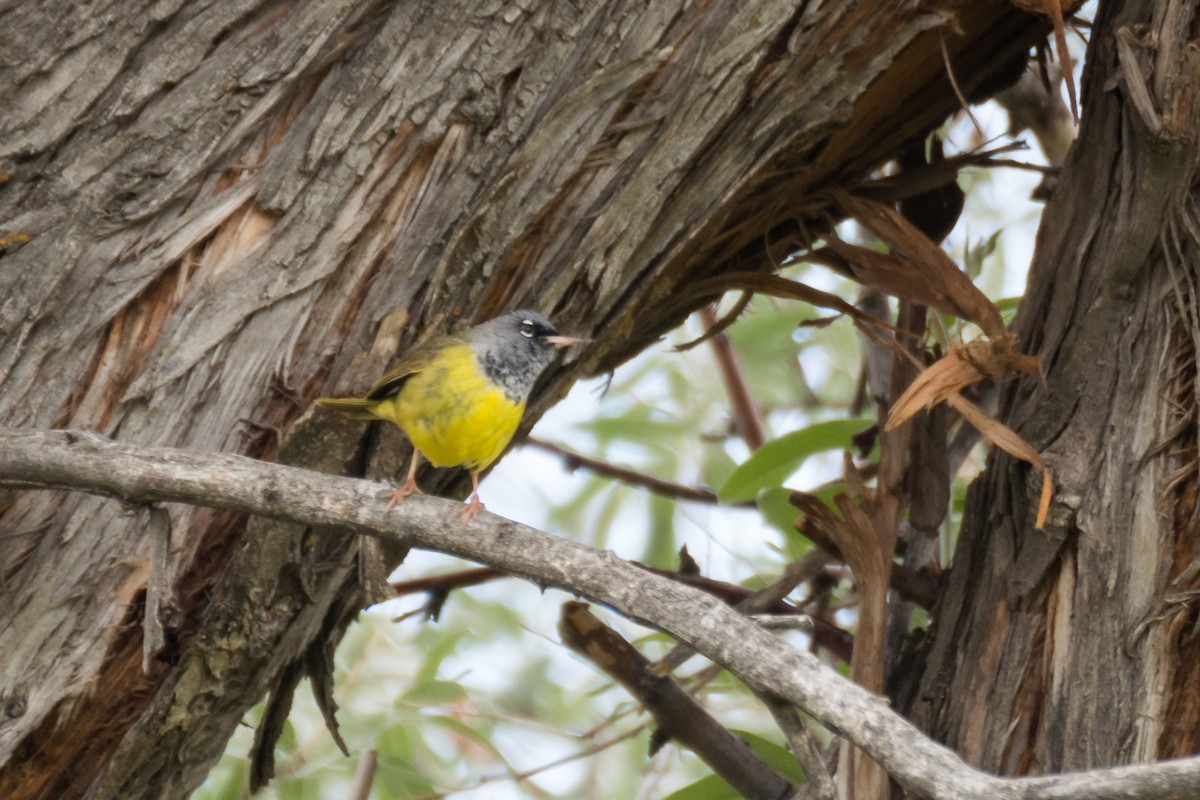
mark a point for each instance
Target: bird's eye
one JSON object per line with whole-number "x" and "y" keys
{"x": 527, "y": 328}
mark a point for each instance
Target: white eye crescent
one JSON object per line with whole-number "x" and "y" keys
{"x": 527, "y": 328}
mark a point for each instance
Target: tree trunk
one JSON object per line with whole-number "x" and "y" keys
{"x": 212, "y": 214}
{"x": 1075, "y": 646}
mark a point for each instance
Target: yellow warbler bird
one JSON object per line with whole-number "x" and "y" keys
{"x": 459, "y": 398}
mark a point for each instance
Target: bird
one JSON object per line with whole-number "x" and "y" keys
{"x": 459, "y": 398}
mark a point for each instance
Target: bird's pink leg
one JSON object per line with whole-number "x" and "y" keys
{"x": 473, "y": 506}
{"x": 410, "y": 486}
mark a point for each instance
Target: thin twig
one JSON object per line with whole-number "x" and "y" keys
{"x": 768, "y": 599}
{"x": 804, "y": 748}
{"x": 364, "y": 775}
{"x": 440, "y": 586}
{"x": 721, "y": 325}
{"x": 446, "y": 582}
{"x": 533, "y": 772}
{"x": 962, "y": 100}
{"x": 783, "y": 622}
{"x": 745, "y": 412}
{"x": 630, "y": 477}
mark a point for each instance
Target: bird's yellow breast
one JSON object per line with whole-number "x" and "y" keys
{"x": 452, "y": 413}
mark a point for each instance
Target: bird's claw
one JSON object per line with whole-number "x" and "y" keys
{"x": 468, "y": 512}
{"x": 409, "y": 488}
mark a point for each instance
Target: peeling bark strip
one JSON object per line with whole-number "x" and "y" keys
{"x": 334, "y": 507}
{"x": 213, "y": 212}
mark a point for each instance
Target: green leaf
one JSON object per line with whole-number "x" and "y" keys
{"x": 641, "y": 424}
{"x": 397, "y": 774}
{"x": 775, "y": 756}
{"x": 287, "y": 738}
{"x": 717, "y": 466}
{"x": 443, "y": 645}
{"x": 975, "y": 255}
{"x": 772, "y": 463}
{"x": 777, "y": 510}
{"x": 660, "y": 549}
{"x": 466, "y": 731}
{"x": 1007, "y": 307}
{"x": 529, "y": 690}
{"x": 434, "y": 693}
{"x": 826, "y": 494}
{"x": 710, "y": 787}
{"x": 765, "y": 340}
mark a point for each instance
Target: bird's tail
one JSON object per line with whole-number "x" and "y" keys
{"x": 353, "y": 407}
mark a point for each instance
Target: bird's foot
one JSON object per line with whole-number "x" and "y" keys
{"x": 409, "y": 488}
{"x": 469, "y": 511}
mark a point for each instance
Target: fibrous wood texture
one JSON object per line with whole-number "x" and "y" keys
{"x": 1075, "y": 647}
{"x": 214, "y": 212}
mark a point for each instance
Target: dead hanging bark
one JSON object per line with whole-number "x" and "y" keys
{"x": 211, "y": 214}
{"x": 1073, "y": 647}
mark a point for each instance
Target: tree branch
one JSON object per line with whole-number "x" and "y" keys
{"x": 678, "y": 714}
{"x": 745, "y": 411}
{"x": 627, "y": 476}
{"x": 804, "y": 747}
{"x": 364, "y": 775}
{"x": 334, "y": 505}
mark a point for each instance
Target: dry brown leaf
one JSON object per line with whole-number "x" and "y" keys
{"x": 917, "y": 269}
{"x": 958, "y": 369}
{"x": 851, "y": 536}
{"x": 1010, "y": 442}
{"x": 998, "y": 359}
{"x": 870, "y": 560}
{"x": 962, "y": 366}
{"x": 997, "y": 432}
{"x": 885, "y": 272}
{"x": 820, "y": 516}
{"x": 945, "y": 377}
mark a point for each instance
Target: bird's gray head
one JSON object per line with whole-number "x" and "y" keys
{"x": 513, "y": 349}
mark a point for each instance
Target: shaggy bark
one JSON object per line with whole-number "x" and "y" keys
{"x": 212, "y": 213}
{"x": 1074, "y": 647}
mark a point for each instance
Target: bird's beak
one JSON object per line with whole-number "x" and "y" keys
{"x": 565, "y": 341}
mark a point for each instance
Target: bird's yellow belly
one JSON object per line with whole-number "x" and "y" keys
{"x": 453, "y": 414}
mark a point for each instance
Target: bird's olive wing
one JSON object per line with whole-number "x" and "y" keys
{"x": 413, "y": 362}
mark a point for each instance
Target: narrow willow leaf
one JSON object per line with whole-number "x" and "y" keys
{"x": 777, "y": 510}
{"x": 707, "y": 788}
{"x": 771, "y": 464}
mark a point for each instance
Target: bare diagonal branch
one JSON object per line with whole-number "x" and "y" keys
{"x": 771, "y": 667}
